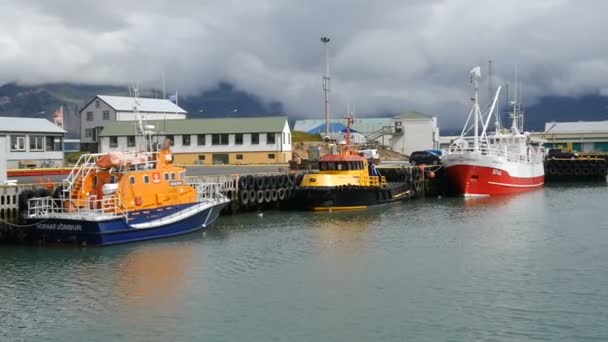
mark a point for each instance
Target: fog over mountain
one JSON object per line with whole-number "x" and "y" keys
{"x": 386, "y": 56}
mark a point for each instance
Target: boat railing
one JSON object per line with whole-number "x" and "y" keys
{"x": 48, "y": 207}
{"x": 533, "y": 156}
{"x": 375, "y": 181}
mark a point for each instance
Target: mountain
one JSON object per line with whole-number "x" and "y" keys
{"x": 227, "y": 101}
{"x": 42, "y": 100}
{"x": 558, "y": 108}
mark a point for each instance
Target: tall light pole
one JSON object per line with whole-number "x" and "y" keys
{"x": 325, "y": 40}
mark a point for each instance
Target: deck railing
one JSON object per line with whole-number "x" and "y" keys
{"x": 49, "y": 207}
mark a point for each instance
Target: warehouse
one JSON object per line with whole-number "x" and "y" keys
{"x": 234, "y": 141}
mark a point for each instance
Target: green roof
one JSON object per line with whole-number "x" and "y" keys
{"x": 264, "y": 124}
{"x": 414, "y": 115}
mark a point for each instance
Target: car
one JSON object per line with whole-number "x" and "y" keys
{"x": 424, "y": 157}
{"x": 558, "y": 153}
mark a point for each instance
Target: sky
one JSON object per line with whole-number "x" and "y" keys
{"x": 385, "y": 56}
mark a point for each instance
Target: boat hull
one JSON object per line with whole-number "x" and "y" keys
{"x": 481, "y": 180}
{"x": 117, "y": 230}
{"x": 348, "y": 197}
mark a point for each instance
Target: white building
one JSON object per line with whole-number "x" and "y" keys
{"x": 250, "y": 140}
{"x": 414, "y": 132}
{"x": 2, "y": 159}
{"x": 103, "y": 109}
{"x": 31, "y": 142}
{"x": 405, "y": 133}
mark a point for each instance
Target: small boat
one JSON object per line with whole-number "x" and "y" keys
{"x": 113, "y": 198}
{"x": 502, "y": 162}
{"x": 347, "y": 180}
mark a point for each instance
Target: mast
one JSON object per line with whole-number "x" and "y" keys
{"x": 325, "y": 40}
{"x": 475, "y": 76}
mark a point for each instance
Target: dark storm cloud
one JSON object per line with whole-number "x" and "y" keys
{"x": 386, "y": 56}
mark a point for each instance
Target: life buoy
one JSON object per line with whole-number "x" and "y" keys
{"x": 281, "y": 193}
{"x": 259, "y": 196}
{"x": 267, "y": 196}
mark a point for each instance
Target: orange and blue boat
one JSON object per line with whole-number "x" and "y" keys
{"x": 120, "y": 197}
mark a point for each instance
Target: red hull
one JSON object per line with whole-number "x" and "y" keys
{"x": 470, "y": 180}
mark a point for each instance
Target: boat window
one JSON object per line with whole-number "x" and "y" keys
{"x": 181, "y": 176}
{"x": 167, "y": 176}
{"x": 172, "y": 175}
{"x": 112, "y": 179}
{"x": 146, "y": 179}
{"x": 132, "y": 179}
{"x": 339, "y": 165}
{"x": 95, "y": 181}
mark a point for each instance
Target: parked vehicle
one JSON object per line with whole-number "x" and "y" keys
{"x": 424, "y": 157}
{"x": 558, "y": 153}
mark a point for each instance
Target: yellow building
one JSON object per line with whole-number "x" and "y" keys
{"x": 234, "y": 141}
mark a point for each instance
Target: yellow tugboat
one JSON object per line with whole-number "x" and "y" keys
{"x": 347, "y": 180}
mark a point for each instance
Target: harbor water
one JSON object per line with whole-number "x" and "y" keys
{"x": 514, "y": 268}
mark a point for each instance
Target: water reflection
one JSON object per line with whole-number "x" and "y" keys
{"x": 154, "y": 275}
{"x": 344, "y": 233}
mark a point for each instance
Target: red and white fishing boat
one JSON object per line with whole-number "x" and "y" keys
{"x": 502, "y": 162}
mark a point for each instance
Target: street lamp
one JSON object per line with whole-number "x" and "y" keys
{"x": 325, "y": 40}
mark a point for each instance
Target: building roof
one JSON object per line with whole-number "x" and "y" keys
{"x": 29, "y": 125}
{"x": 414, "y": 115}
{"x": 576, "y": 127}
{"x": 127, "y": 104}
{"x": 366, "y": 125}
{"x": 267, "y": 124}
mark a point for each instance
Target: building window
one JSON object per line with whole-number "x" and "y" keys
{"x": 186, "y": 140}
{"x": 270, "y": 138}
{"x": 182, "y": 176}
{"x": 238, "y": 139}
{"x": 131, "y": 140}
{"x": 97, "y": 104}
{"x": 255, "y": 138}
{"x": 171, "y": 139}
{"x": 146, "y": 179}
{"x": 17, "y": 143}
{"x": 289, "y": 138}
{"x": 36, "y": 143}
{"x": 49, "y": 144}
{"x": 219, "y": 139}
{"x": 106, "y": 115}
{"x": 270, "y": 155}
{"x": 283, "y": 137}
{"x": 88, "y": 132}
{"x": 239, "y": 157}
{"x": 113, "y": 141}
{"x": 201, "y": 157}
{"x": 200, "y": 139}
{"x": 89, "y": 116}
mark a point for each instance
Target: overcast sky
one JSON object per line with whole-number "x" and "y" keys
{"x": 385, "y": 56}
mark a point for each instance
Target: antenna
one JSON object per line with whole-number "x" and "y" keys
{"x": 326, "y": 79}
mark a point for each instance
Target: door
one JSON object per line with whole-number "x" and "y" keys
{"x": 220, "y": 158}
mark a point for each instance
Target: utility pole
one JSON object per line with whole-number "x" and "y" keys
{"x": 325, "y": 40}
